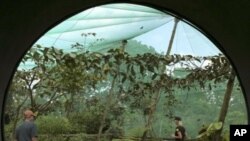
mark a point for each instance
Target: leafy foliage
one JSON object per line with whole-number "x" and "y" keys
{"x": 53, "y": 125}
{"x": 207, "y": 133}
{"x": 93, "y": 91}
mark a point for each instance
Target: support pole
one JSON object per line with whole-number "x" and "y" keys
{"x": 172, "y": 36}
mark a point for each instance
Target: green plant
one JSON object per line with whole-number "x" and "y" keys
{"x": 8, "y": 131}
{"x": 88, "y": 121}
{"x": 135, "y": 132}
{"x": 53, "y": 125}
{"x": 207, "y": 132}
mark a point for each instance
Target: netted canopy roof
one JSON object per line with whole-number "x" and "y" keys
{"x": 97, "y": 27}
{"x": 115, "y": 22}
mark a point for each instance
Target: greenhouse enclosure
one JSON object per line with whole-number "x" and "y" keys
{"x": 122, "y": 72}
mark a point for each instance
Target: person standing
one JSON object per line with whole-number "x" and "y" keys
{"x": 180, "y": 131}
{"x": 27, "y": 131}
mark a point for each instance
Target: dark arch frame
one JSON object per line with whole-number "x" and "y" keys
{"x": 21, "y": 24}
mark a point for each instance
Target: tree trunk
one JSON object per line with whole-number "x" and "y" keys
{"x": 106, "y": 110}
{"x": 152, "y": 110}
{"x": 32, "y": 101}
{"x": 225, "y": 104}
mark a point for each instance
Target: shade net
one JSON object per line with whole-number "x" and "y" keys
{"x": 99, "y": 27}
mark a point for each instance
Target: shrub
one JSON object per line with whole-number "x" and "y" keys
{"x": 8, "y": 131}
{"x": 136, "y": 132}
{"x": 88, "y": 122}
{"x": 53, "y": 125}
{"x": 70, "y": 137}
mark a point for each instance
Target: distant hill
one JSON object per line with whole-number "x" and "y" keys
{"x": 133, "y": 47}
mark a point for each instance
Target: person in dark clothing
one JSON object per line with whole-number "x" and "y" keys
{"x": 180, "y": 131}
{"x": 27, "y": 131}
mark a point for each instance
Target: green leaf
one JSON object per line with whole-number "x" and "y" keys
{"x": 131, "y": 78}
{"x": 154, "y": 76}
{"x": 150, "y": 68}
{"x": 36, "y": 56}
{"x": 132, "y": 71}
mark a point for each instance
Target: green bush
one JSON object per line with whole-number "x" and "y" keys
{"x": 53, "y": 125}
{"x": 8, "y": 131}
{"x": 77, "y": 122}
{"x": 69, "y": 137}
{"x": 136, "y": 132}
{"x": 87, "y": 122}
